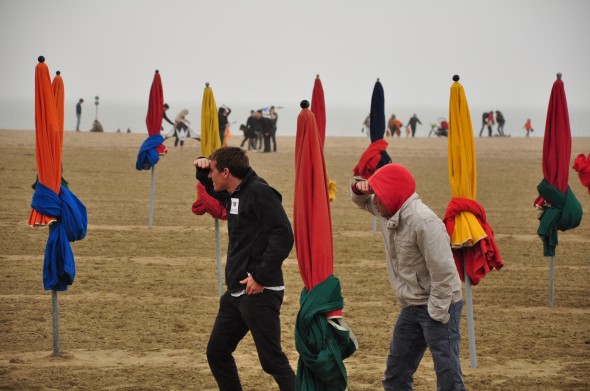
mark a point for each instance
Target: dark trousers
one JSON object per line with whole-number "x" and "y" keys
{"x": 273, "y": 139}
{"x": 414, "y": 331}
{"x": 259, "y": 314}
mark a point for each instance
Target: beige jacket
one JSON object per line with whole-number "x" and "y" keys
{"x": 419, "y": 258}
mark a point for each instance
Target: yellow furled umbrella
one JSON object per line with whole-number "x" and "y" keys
{"x": 462, "y": 168}
{"x": 210, "y": 140}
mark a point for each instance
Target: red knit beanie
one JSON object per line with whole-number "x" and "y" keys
{"x": 393, "y": 184}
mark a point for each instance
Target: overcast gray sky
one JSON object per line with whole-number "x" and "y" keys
{"x": 258, "y": 51}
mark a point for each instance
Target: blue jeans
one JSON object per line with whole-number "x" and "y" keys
{"x": 414, "y": 331}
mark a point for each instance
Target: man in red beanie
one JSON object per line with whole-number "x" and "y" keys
{"x": 423, "y": 274}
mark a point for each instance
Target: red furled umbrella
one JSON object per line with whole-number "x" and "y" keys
{"x": 322, "y": 338}
{"x": 582, "y": 166}
{"x": 318, "y": 108}
{"x": 312, "y": 219}
{"x": 153, "y": 119}
{"x": 561, "y": 209}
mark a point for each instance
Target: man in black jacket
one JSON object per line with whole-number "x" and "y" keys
{"x": 260, "y": 239}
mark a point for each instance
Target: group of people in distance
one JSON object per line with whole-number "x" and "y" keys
{"x": 487, "y": 120}
{"x": 394, "y": 126}
{"x": 260, "y": 131}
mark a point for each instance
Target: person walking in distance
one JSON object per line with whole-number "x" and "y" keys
{"x": 260, "y": 238}
{"x": 78, "y": 113}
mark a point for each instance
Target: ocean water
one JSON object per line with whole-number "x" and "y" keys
{"x": 343, "y": 121}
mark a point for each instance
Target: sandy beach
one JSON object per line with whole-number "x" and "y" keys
{"x": 139, "y": 313}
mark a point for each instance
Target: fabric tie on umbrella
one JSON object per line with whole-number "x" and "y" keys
{"x": 465, "y": 219}
{"x": 560, "y": 211}
{"x": 376, "y": 154}
{"x": 152, "y": 147}
{"x": 68, "y": 213}
{"x": 582, "y": 166}
{"x": 320, "y": 365}
{"x": 318, "y": 108}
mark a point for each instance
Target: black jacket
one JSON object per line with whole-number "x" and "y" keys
{"x": 260, "y": 234}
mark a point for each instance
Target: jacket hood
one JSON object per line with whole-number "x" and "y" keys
{"x": 393, "y": 184}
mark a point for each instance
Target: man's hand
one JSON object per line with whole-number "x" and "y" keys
{"x": 202, "y": 162}
{"x": 363, "y": 187}
{"x": 252, "y": 287}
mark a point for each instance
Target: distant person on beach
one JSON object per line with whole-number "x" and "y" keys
{"x": 500, "y": 121}
{"x": 260, "y": 239}
{"x": 394, "y": 126}
{"x": 528, "y": 127}
{"x": 274, "y": 117}
{"x": 367, "y": 126}
{"x": 265, "y": 127}
{"x": 181, "y": 128}
{"x": 484, "y": 122}
{"x": 248, "y": 130}
{"x": 78, "y": 113}
{"x": 165, "y": 117}
{"x": 223, "y": 113}
{"x": 490, "y": 123}
{"x": 423, "y": 274}
{"x": 413, "y": 123}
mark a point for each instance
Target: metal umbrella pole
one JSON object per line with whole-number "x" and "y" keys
{"x": 218, "y": 255}
{"x": 470, "y": 325}
{"x": 55, "y": 319}
{"x": 152, "y": 191}
{"x": 551, "y": 279}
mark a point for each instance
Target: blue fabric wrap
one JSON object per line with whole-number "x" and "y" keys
{"x": 59, "y": 267}
{"x": 148, "y": 156}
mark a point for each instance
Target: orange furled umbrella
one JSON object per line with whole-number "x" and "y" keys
{"x": 48, "y": 134}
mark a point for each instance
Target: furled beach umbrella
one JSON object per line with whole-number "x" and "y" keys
{"x": 68, "y": 215}
{"x": 560, "y": 207}
{"x": 152, "y": 147}
{"x": 376, "y": 154}
{"x": 582, "y": 166}
{"x": 210, "y": 141}
{"x": 318, "y": 108}
{"x": 321, "y": 336}
{"x": 472, "y": 239}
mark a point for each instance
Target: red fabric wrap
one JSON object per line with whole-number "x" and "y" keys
{"x": 582, "y": 166}
{"x": 484, "y": 256}
{"x": 370, "y": 159}
{"x": 207, "y": 204}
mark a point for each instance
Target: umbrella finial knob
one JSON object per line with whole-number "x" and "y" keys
{"x": 377, "y": 79}
{"x": 456, "y": 78}
{"x": 157, "y": 71}
{"x": 41, "y": 59}
{"x": 304, "y": 104}
{"x": 207, "y": 84}
{"x": 559, "y": 75}
{"x": 58, "y": 73}
{"x": 317, "y": 76}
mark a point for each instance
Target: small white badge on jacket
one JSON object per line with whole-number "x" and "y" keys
{"x": 234, "y": 206}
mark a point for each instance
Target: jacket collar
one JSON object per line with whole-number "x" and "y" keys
{"x": 394, "y": 221}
